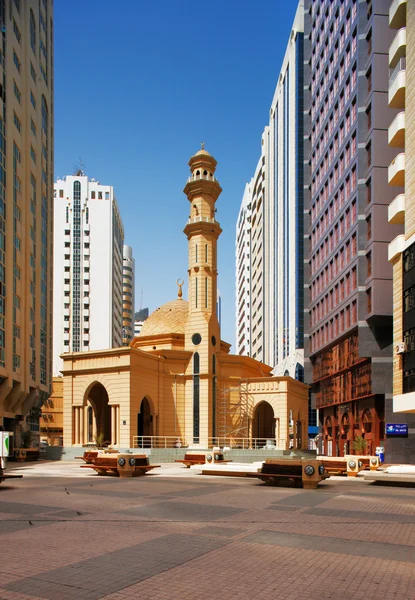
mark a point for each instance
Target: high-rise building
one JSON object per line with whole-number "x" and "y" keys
{"x": 26, "y": 183}
{"x": 348, "y": 291}
{"x": 88, "y": 267}
{"x": 249, "y": 276}
{"x": 269, "y": 239}
{"x": 128, "y": 286}
{"x": 402, "y": 211}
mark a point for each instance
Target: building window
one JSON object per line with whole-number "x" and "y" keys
{"x": 369, "y": 300}
{"x": 33, "y": 73}
{"x": 17, "y": 92}
{"x": 17, "y": 31}
{"x": 32, "y": 32}
{"x": 196, "y": 398}
{"x": 16, "y": 61}
{"x": 17, "y": 123}
{"x": 369, "y": 227}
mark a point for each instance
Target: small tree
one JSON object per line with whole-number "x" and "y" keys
{"x": 99, "y": 438}
{"x": 359, "y": 445}
{"x": 26, "y": 439}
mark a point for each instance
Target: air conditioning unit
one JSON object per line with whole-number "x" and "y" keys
{"x": 400, "y": 348}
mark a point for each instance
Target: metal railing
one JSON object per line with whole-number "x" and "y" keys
{"x": 400, "y": 66}
{"x": 159, "y": 441}
{"x": 243, "y": 443}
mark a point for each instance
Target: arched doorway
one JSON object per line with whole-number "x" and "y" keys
{"x": 328, "y": 437}
{"x": 144, "y": 423}
{"x": 367, "y": 430}
{"x": 346, "y": 432}
{"x": 263, "y": 424}
{"x": 100, "y": 414}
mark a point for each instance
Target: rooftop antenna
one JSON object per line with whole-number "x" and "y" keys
{"x": 141, "y": 299}
{"x": 79, "y": 167}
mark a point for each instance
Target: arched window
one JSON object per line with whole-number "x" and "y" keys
{"x": 299, "y": 372}
{"x": 196, "y": 398}
{"x": 32, "y": 31}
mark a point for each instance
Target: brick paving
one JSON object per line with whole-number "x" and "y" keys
{"x": 180, "y": 535}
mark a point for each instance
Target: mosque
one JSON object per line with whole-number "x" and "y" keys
{"x": 177, "y": 383}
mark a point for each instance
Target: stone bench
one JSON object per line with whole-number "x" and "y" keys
{"x": 202, "y": 458}
{"x": 300, "y": 473}
{"x": 90, "y": 455}
{"x": 26, "y": 454}
{"x": 121, "y": 465}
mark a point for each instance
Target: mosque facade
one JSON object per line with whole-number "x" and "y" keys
{"x": 177, "y": 382}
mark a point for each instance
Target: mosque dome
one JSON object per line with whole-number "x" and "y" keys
{"x": 168, "y": 318}
{"x": 203, "y": 152}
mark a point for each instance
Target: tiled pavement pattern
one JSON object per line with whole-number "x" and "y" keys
{"x": 199, "y": 538}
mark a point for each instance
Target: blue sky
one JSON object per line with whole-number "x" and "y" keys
{"x": 138, "y": 86}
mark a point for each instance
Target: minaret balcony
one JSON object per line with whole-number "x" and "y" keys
{"x": 199, "y": 219}
{"x": 197, "y": 186}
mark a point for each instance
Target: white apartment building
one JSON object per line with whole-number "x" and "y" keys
{"x": 249, "y": 267}
{"x": 128, "y": 287}
{"x": 269, "y": 246}
{"x": 88, "y": 267}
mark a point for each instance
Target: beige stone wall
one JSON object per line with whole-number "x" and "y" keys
{"x": 129, "y": 375}
{"x": 51, "y": 421}
{"x": 397, "y": 324}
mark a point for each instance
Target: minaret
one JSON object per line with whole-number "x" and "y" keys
{"x": 202, "y": 332}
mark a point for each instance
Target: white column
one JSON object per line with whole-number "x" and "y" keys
{"x": 112, "y": 425}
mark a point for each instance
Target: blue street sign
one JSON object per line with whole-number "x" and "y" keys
{"x": 396, "y": 429}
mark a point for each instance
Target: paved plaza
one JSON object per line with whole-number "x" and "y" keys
{"x": 68, "y": 534}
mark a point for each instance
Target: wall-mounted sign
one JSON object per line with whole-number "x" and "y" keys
{"x": 396, "y": 429}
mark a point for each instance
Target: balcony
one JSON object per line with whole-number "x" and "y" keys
{"x": 396, "y": 170}
{"x": 397, "y": 85}
{"x": 396, "y": 131}
{"x": 66, "y": 287}
{"x": 404, "y": 403}
{"x": 85, "y": 312}
{"x": 66, "y": 263}
{"x": 396, "y": 247}
{"x": 397, "y": 14}
{"x": 396, "y": 210}
{"x": 397, "y": 49}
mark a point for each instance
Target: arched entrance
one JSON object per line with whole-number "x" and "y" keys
{"x": 328, "y": 437}
{"x": 263, "y": 424}
{"x": 367, "y": 430}
{"x": 346, "y": 435}
{"x": 99, "y": 417}
{"x": 144, "y": 423}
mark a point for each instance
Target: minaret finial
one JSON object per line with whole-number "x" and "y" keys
{"x": 203, "y": 145}
{"x": 180, "y": 283}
